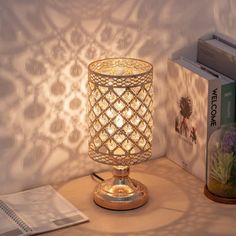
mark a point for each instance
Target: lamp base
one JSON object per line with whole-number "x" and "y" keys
{"x": 120, "y": 192}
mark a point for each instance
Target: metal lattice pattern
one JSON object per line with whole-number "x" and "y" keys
{"x": 120, "y": 112}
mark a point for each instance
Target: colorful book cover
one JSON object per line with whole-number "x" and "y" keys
{"x": 193, "y": 112}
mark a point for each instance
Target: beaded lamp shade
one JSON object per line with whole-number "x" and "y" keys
{"x": 120, "y": 112}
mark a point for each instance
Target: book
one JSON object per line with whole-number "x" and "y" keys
{"x": 218, "y": 52}
{"x": 194, "y": 112}
{"x": 36, "y": 211}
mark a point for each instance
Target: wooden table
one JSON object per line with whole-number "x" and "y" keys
{"x": 176, "y": 206}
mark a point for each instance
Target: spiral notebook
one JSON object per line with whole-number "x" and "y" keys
{"x": 36, "y": 211}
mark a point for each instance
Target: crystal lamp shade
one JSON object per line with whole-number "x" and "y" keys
{"x": 120, "y": 111}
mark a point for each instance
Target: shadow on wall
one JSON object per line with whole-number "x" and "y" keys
{"x": 45, "y": 47}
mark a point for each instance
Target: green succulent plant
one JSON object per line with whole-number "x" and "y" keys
{"x": 221, "y": 166}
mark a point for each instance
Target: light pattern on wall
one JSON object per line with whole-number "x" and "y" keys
{"x": 45, "y": 47}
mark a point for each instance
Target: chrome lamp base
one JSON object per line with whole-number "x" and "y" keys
{"x": 120, "y": 192}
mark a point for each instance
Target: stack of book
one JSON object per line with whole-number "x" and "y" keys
{"x": 201, "y": 99}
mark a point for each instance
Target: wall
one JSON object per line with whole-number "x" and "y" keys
{"x": 45, "y": 47}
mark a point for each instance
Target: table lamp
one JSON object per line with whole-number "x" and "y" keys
{"x": 120, "y": 127}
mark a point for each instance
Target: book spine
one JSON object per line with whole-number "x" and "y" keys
{"x": 228, "y": 103}
{"x": 13, "y": 216}
{"x": 214, "y": 113}
{"x": 214, "y": 106}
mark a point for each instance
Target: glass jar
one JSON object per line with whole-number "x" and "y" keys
{"x": 221, "y": 165}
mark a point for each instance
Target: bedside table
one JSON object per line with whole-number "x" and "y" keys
{"x": 176, "y": 206}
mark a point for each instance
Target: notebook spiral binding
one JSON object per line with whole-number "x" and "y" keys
{"x": 9, "y": 212}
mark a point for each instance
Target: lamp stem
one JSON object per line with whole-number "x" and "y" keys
{"x": 120, "y": 171}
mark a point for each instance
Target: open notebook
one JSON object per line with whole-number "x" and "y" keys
{"x": 35, "y": 211}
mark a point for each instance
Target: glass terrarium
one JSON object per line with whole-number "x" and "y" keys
{"x": 221, "y": 165}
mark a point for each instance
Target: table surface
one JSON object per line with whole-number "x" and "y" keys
{"x": 176, "y": 206}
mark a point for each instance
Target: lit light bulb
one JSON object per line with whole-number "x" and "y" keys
{"x": 128, "y": 113}
{"x": 109, "y": 113}
{"x": 119, "y": 121}
{"x": 110, "y": 129}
